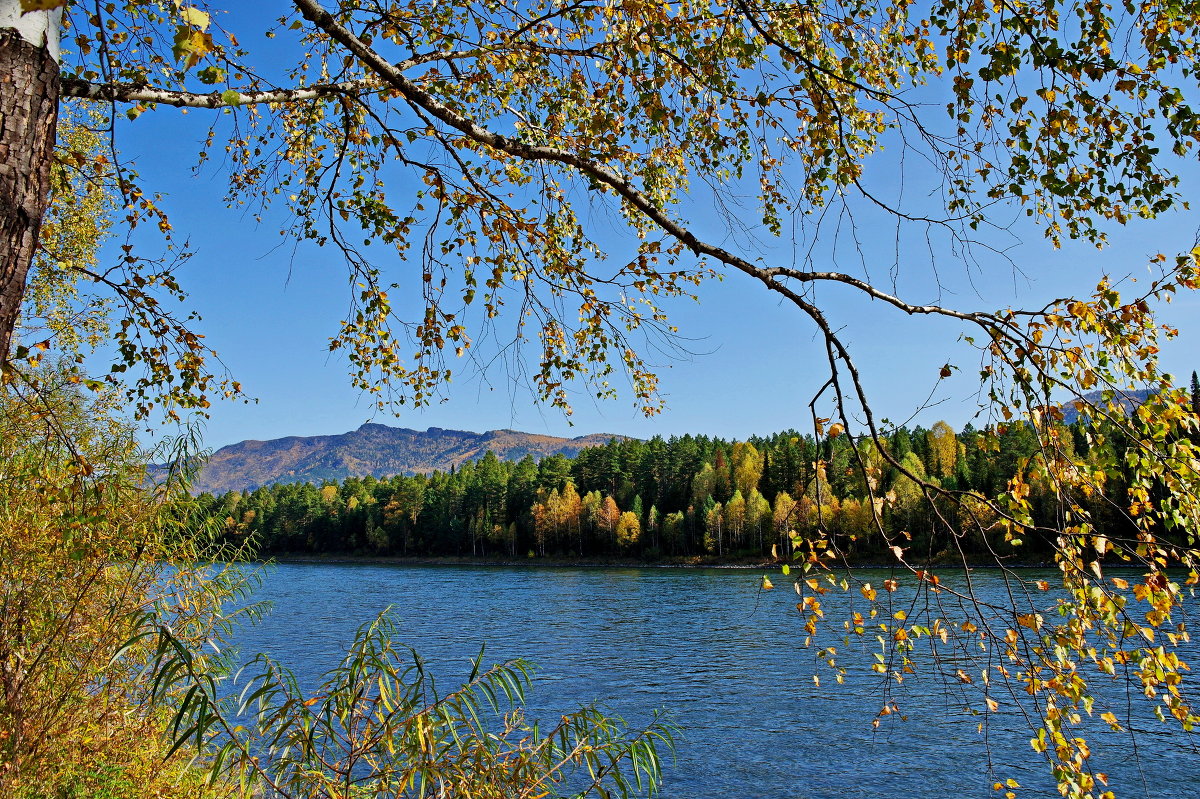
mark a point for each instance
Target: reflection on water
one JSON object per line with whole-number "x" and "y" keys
{"x": 723, "y": 658}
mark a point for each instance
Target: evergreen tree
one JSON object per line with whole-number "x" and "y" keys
{"x": 553, "y": 472}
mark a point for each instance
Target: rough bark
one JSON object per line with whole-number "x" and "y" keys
{"x": 29, "y": 89}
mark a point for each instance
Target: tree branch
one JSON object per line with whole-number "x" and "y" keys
{"x": 140, "y": 93}
{"x": 392, "y": 75}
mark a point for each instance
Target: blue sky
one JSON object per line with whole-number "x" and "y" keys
{"x": 270, "y": 307}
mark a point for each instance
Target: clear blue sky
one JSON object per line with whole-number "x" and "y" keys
{"x": 270, "y": 307}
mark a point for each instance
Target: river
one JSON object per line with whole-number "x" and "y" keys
{"x": 723, "y": 658}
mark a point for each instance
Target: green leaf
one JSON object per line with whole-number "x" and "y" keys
{"x": 231, "y": 97}
{"x": 191, "y": 45}
{"x": 211, "y": 75}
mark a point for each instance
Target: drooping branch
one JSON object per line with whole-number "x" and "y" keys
{"x": 393, "y": 76}
{"x": 386, "y": 77}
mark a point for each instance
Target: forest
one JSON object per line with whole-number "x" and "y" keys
{"x": 692, "y": 497}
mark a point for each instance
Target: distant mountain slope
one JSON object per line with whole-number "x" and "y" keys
{"x": 373, "y": 449}
{"x": 1128, "y": 400}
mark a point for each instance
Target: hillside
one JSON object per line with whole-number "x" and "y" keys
{"x": 1129, "y": 400}
{"x": 373, "y": 449}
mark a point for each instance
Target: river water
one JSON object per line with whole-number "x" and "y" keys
{"x": 723, "y": 658}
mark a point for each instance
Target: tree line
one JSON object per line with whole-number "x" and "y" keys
{"x": 685, "y": 496}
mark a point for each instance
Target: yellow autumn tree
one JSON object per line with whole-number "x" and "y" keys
{"x": 88, "y": 555}
{"x": 747, "y": 465}
{"x": 943, "y": 449}
{"x": 629, "y": 531}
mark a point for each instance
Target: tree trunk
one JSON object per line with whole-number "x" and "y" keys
{"x": 28, "y": 114}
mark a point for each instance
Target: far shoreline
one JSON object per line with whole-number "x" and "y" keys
{"x": 550, "y": 562}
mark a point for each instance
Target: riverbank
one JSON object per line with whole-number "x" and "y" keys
{"x": 677, "y": 562}
{"x": 695, "y": 562}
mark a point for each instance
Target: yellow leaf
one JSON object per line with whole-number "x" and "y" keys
{"x": 1031, "y": 620}
{"x": 992, "y": 704}
{"x": 40, "y": 5}
{"x": 767, "y": 584}
{"x": 194, "y": 17}
{"x": 1120, "y": 582}
{"x": 191, "y": 45}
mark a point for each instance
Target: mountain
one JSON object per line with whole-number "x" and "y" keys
{"x": 1127, "y": 400}
{"x": 373, "y": 449}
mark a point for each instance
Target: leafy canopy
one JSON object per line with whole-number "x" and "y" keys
{"x": 467, "y": 137}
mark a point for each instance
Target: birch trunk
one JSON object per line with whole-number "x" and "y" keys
{"x": 29, "y": 91}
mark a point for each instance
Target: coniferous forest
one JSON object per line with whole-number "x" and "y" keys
{"x": 682, "y": 497}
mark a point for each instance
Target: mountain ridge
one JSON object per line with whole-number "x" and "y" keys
{"x": 1128, "y": 400}
{"x": 373, "y": 449}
